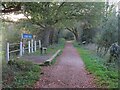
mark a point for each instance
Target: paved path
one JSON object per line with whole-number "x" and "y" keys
{"x": 68, "y": 72}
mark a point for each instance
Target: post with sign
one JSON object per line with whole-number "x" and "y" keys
{"x": 28, "y": 36}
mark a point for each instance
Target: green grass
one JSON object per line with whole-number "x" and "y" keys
{"x": 94, "y": 64}
{"x": 20, "y": 74}
{"x": 50, "y": 50}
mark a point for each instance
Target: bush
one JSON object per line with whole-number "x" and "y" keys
{"x": 61, "y": 41}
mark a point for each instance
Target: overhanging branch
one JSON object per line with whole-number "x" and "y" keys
{"x": 11, "y": 8}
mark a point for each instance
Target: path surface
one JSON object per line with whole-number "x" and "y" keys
{"x": 68, "y": 72}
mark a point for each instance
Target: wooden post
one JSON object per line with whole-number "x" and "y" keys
{"x": 32, "y": 45}
{"x": 35, "y": 46}
{"x": 29, "y": 46}
{"x": 39, "y": 44}
{"x": 7, "y": 53}
{"x": 21, "y": 49}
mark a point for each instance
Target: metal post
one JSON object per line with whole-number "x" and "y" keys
{"x": 7, "y": 53}
{"x": 29, "y": 46}
{"x": 35, "y": 46}
{"x": 32, "y": 45}
{"x": 39, "y": 44}
{"x": 21, "y": 48}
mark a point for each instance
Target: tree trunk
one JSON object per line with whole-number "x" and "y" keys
{"x": 51, "y": 38}
{"x": 45, "y": 36}
{"x": 76, "y": 37}
{"x": 57, "y": 36}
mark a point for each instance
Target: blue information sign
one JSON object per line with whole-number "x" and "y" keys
{"x": 27, "y": 36}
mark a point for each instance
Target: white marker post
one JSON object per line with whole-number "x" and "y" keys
{"x": 39, "y": 44}
{"x": 35, "y": 46}
{"x": 32, "y": 45}
{"x": 21, "y": 48}
{"x": 8, "y": 55}
{"x": 29, "y": 46}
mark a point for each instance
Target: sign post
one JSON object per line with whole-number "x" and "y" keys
{"x": 27, "y": 36}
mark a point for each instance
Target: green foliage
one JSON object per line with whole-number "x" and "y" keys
{"x": 60, "y": 15}
{"x": 69, "y": 36}
{"x": 20, "y": 74}
{"x": 105, "y": 77}
{"x": 10, "y": 32}
{"x": 61, "y": 41}
{"x": 107, "y": 32}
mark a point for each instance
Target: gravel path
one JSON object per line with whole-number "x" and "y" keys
{"x": 36, "y": 59}
{"x": 68, "y": 72}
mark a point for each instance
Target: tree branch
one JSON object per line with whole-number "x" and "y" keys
{"x": 59, "y": 8}
{"x": 11, "y": 8}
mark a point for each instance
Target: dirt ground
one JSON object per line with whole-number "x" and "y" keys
{"x": 37, "y": 59}
{"x": 68, "y": 72}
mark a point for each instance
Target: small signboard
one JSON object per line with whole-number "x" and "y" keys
{"x": 27, "y": 36}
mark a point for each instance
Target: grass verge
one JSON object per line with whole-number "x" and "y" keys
{"x": 50, "y": 50}
{"x": 94, "y": 64}
{"x": 20, "y": 74}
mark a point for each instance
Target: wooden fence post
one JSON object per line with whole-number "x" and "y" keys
{"x": 35, "y": 46}
{"x": 7, "y": 53}
{"x": 21, "y": 48}
{"x": 32, "y": 45}
{"x": 29, "y": 46}
{"x": 39, "y": 44}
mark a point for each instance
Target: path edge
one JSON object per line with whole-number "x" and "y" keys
{"x": 48, "y": 61}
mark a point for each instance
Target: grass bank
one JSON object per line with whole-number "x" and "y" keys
{"x": 106, "y": 77}
{"x": 20, "y": 74}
